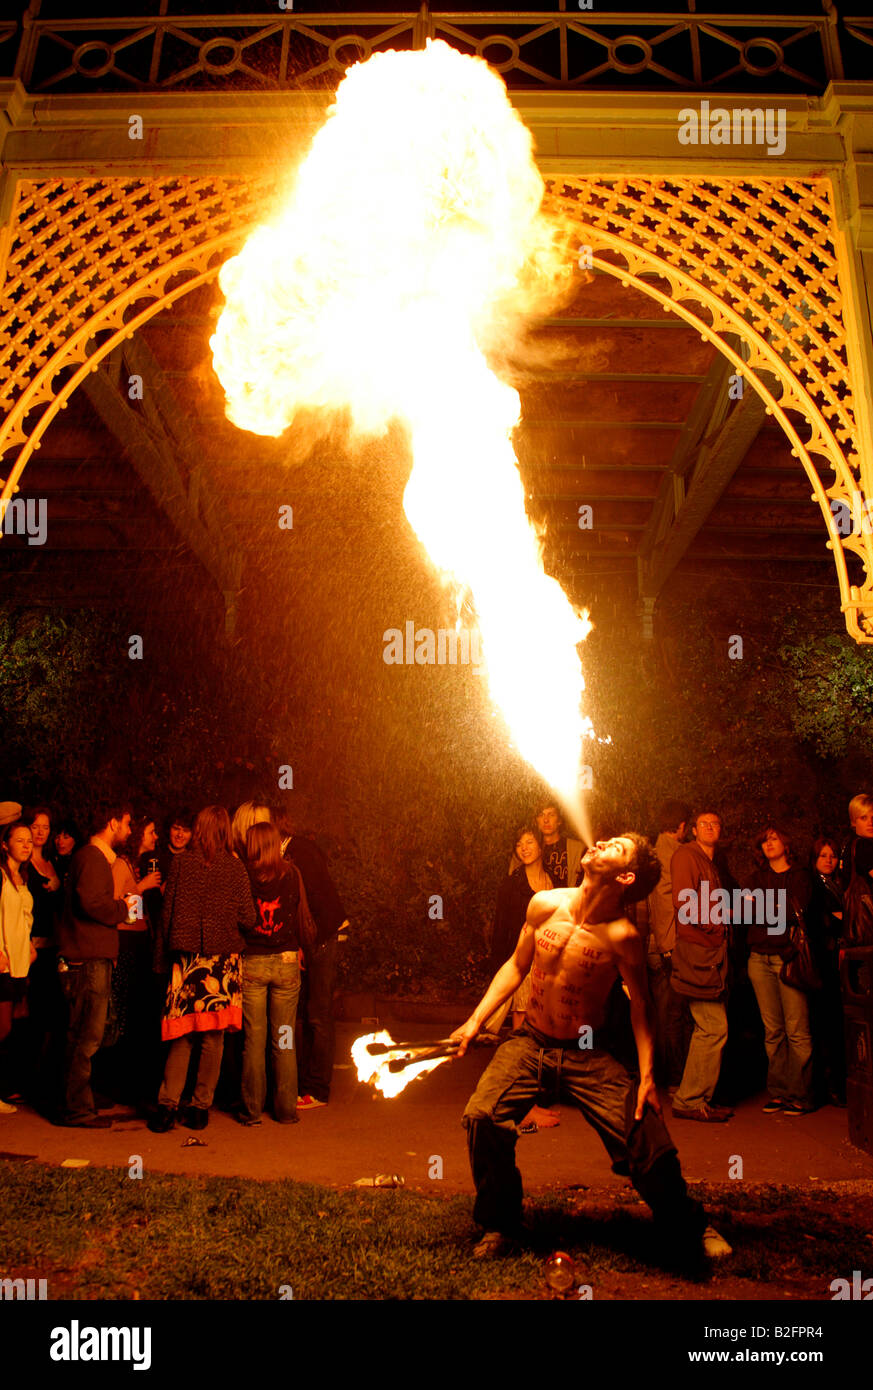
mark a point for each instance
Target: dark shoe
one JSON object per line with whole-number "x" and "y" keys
{"x": 195, "y": 1117}
{"x": 704, "y": 1114}
{"x": 721, "y": 1110}
{"x": 242, "y": 1119}
{"x": 163, "y": 1119}
{"x": 89, "y": 1122}
{"x": 772, "y": 1107}
{"x": 791, "y": 1107}
{"x": 288, "y": 1120}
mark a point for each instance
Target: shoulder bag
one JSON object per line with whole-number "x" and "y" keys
{"x": 799, "y": 969}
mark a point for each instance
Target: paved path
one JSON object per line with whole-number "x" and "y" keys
{"x": 360, "y": 1134}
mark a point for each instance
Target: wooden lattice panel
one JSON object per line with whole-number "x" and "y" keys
{"x": 757, "y": 260}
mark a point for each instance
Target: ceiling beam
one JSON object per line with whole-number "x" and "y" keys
{"x": 154, "y": 439}
{"x": 710, "y": 448}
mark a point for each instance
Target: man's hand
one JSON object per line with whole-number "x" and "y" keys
{"x": 464, "y": 1035}
{"x": 647, "y": 1095}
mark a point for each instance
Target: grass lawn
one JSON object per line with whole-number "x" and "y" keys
{"x": 98, "y": 1234}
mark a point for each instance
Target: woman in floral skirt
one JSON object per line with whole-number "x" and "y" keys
{"x": 207, "y": 902}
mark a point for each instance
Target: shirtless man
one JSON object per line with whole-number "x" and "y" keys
{"x": 574, "y": 942}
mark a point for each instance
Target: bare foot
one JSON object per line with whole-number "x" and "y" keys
{"x": 543, "y": 1119}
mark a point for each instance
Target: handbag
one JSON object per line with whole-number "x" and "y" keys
{"x": 858, "y": 908}
{"x": 799, "y": 970}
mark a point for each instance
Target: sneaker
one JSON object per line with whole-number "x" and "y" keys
{"x": 791, "y": 1107}
{"x": 243, "y": 1119}
{"x": 6, "y": 1108}
{"x": 715, "y": 1246}
{"x": 309, "y": 1103}
{"x": 772, "y": 1107}
{"x": 704, "y": 1114}
{"x": 89, "y": 1122}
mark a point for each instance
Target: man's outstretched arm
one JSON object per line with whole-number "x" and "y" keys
{"x": 632, "y": 965}
{"x": 507, "y": 980}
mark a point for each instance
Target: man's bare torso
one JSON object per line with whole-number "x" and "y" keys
{"x": 574, "y": 966}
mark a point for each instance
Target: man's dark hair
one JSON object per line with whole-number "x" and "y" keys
{"x": 181, "y": 816}
{"x": 105, "y": 811}
{"x": 645, "y": 866}
{"x": 546, "y": 804}
{"x": 672, "y": 814}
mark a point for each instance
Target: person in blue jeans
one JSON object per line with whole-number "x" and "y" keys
{"x": 271, "y": 978}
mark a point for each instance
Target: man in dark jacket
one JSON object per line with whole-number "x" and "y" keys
{"x": 699, "y": 968}
{"x": 318, "y": 1033}
{"x": 88, "y": 949}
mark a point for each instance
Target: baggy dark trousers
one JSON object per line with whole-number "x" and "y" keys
{"x": 530, "y": 1067}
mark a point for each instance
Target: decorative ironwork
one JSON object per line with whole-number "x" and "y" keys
{"x": 759, "y": 260}
{"x": 567, "y": 49}
{"x": 89, "y": 261}
{"x": 95, "y": 259}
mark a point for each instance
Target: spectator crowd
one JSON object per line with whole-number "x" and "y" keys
{"x": 127, "y": 961}
{"x": 130, "y": 956}
{"x": 741, "y": 975}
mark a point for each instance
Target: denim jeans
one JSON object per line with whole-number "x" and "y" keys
{"x": 268, "y": 981}
{"x": 787, "y": 1037}
{"x": 211, "y": 1046}
{"x": 703, "y": 1063}
{"x": 86, "y": 989}
{"x": 526, "y": 1069}
{"x": 317, "y": 1038}
{"x": 672, "y": 1023}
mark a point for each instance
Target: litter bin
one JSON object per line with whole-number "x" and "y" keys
{"x": 856, "y": 975}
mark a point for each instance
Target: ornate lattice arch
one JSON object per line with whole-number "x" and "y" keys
{"x": 84, "y": 263}
{"x": 760, "y": 261}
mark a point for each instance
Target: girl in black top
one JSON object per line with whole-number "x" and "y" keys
{"x": 271, "y": 978}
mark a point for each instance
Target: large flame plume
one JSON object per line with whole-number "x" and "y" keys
{"x": 411, "y": 251}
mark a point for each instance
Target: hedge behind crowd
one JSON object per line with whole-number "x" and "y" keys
{"x": 404, "y": 775}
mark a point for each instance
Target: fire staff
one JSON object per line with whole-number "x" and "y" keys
{"x": 575, "y": 941}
